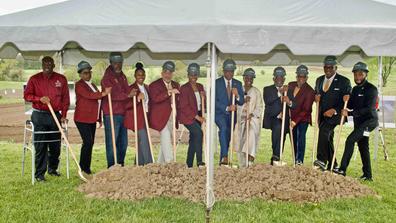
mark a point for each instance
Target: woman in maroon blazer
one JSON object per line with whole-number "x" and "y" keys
{"x": 142, "y": 100}
{"x": 87, "y": 112}
{"x": 190, "y": 114}
{"x": 304, "y": 96}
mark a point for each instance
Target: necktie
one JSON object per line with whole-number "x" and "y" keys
{"x": 326, "y": 85}
{"x": 228, "y": 90}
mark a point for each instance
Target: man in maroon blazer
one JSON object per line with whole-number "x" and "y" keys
{"x": 115, "y": 78}
{"x": 304, "y": 95}
{"x": 160, "y": 104}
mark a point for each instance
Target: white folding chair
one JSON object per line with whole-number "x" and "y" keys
{"x": 28, "y": 144}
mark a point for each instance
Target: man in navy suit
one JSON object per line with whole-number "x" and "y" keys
{"x": 273, "y": 98}
{"x": 226, "y": 86}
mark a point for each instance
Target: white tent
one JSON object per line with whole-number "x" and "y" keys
{"x": 272, "y": 31}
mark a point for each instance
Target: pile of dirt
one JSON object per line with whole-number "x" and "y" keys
{"x": 300, "y": 184}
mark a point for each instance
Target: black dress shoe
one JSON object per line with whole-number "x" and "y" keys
{"x": 89, "y": 172}
{"x": 320, "y": 165}
{"x": 365, "y": 178}
{"x": 201, "y": 164}
{"x": 339, "y": 171}
{"x": 54, "y": 173}
{"x": 40, "y": 179}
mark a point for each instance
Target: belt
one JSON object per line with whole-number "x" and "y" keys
{"x": 43, "y": 111}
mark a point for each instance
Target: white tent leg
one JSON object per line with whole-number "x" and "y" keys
{"x": 211, "y": 128}
{"x": 379, "y": 87}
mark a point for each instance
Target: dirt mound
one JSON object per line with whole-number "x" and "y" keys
{"x": 300, "y": 184}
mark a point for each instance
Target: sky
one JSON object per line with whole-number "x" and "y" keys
{"x": 10, "y": 6}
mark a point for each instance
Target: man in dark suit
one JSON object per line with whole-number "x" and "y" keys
{"x": 330, "y": 89}
{"x": 273, "y": 98}
{"x": 304, "y": 96}
{"x": 226, "y": 86}
{"x": 362, "y": 106}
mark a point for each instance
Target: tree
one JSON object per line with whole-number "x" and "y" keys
{"x": 388, "y": 63}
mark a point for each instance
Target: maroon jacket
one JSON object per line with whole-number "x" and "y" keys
{"x": 129, "y": 121}
{"x": 119, "y": 92}
{"x": 54, "y": 86}
{"x": 188, "y": 103}
{"x": 304, "y": 99}
{"x": 87, "y": 105}
{"x": 160, "y": 104}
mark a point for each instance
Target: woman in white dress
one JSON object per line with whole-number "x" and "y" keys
{"x": 249, "y": 114}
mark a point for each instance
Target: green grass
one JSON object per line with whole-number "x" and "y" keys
{"x": 58, "y": 201}
{"x": 11, "y": 85}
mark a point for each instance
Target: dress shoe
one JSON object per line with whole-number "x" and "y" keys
{"x": 364, "y": 178}
{"x": 40, "y": 179}
{"x": 320, "y": 165}
{"x": 224, "y": 161}
{"x": 54, "y": 173}
{"x": 339, "y": 171}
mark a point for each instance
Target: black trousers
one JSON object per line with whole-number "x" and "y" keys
{"x": 276, "y": 129}
{"x": 195, "y": 143}
{"x": 356, "y": 136}
{"x": 47, "y": 153}
{"x": 325, "y": 143}
{"x": 87, "y": 132}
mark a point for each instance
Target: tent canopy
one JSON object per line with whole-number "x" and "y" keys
{"x": 274, "y": 31}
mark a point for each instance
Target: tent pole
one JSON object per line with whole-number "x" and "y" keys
{"x": 211, "y": 128}
{"x": 379, "y": 87}
{"x": 60, "y": 53}
{"x": 382, "y": 130}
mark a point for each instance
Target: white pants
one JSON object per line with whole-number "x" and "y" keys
{"x": 166, "y": 149}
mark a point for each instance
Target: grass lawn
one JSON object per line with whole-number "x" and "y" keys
{"x": 11, "y": 85}
{"x": 58, "y": 201}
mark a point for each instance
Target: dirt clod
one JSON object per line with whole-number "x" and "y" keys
{"x": 300, "y": 184}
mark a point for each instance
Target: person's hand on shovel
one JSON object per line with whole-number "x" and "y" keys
{"x": 234, "y": 91}
{"x": 344, "y": 112}
{"x": 45, "y": 100}
{"x": 132, "y": 93}
{"x": 345, "y": 97}
{"x": 329, "y": 113}
{"x": 200, "y": 119}
{"x": 173, "y": 91}
{"x": 232, "y": 108}
{"x": 106, "y": 91}
{"x": 140, "y": 97}
{"x": 317, "y": 98}
{"x": 292, "y": 124}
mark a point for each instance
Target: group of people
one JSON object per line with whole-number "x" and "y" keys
{"x": 164, "y": 104}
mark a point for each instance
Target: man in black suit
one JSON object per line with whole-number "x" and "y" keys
{"x": 273, "y": 98}
{"x": 330, "y": 89}
{"x": 362, "y": 106}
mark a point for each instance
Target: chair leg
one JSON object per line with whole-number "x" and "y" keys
{"x": 33, "y": 163}
{"x": 67, "y": 163}
{"x": 23, "y": 159}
